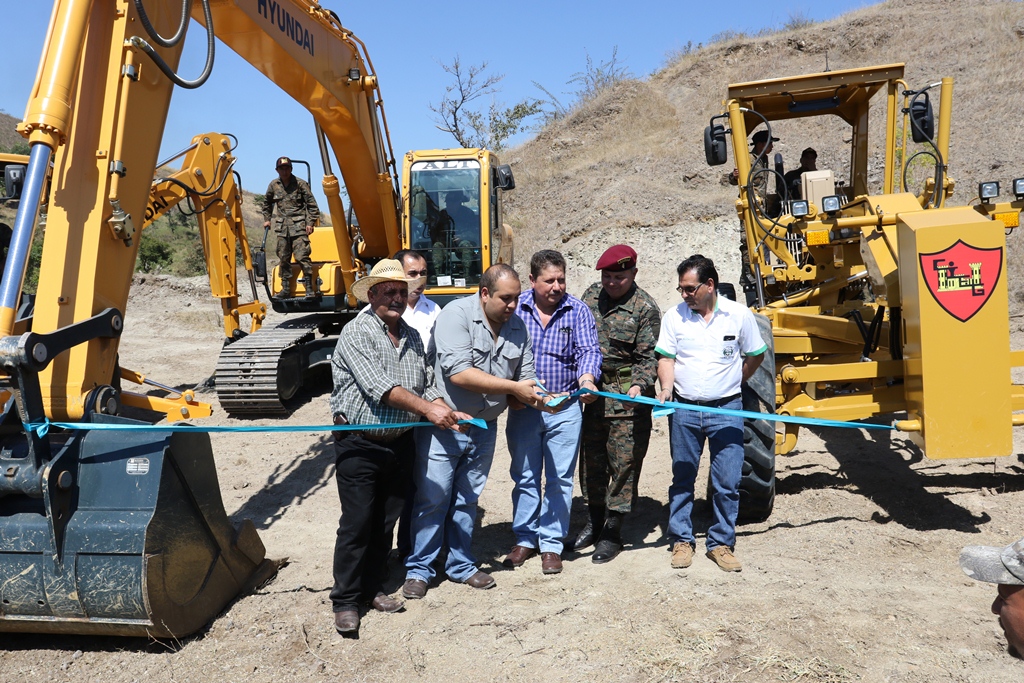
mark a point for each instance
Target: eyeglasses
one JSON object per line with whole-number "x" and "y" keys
{"x": 392, "y": 292}
{"x": 688, "y": 290}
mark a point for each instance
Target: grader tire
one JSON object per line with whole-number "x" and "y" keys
{"x": 757, "y": 485}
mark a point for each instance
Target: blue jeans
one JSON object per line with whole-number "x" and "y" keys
{"x": 549, "y": 442}
{"x": 450, "y": 472}
{"x": 687, "y": 430}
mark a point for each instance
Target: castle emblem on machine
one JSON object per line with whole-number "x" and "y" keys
{"x": 962, "y": 278}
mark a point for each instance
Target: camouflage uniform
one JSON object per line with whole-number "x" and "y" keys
{"x": 615, "y": 433}
{"x": 296, "y": 208}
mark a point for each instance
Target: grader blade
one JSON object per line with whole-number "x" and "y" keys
{"x": 129, "y": 537}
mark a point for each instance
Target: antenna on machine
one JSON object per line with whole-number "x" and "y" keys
{"x": 826, "y": 62}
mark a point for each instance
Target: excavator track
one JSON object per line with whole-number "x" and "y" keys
{"x": 257, "y": 374}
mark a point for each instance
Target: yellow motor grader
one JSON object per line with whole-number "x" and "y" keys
{"x": 878, "y": 299}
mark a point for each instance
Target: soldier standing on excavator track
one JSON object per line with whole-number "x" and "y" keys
{"x": 297, "y": 212}
{"x": 616, "y": 433}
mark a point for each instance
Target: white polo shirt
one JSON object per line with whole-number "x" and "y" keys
{"x": 709, "y": 355}
{"x": 422, "y": 318}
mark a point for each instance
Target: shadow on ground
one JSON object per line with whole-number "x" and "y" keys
{"x": 893, "y": 473}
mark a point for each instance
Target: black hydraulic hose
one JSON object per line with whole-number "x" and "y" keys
{"x": 940, "y": 163}
{"x": 895, "y": 338}
{"x": 162, "y": 65}
{"x": 186, "y": 7}
{"x": 875, "y": 331}
{"x": 209, "y": 193}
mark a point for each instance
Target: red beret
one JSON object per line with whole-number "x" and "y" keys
{"x": 617, "y": 258}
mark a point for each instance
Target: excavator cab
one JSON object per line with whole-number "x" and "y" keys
{"x": 454, "y": 216}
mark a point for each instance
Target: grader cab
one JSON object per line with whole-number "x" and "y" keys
{"x": 882, "y": 299}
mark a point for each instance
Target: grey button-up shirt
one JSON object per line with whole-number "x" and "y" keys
{"x": 463, "y": 340}
{"x": 366, "y": 365}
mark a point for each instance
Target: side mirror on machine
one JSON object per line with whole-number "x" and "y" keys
{"x": 922, "y": 120}
{"x": 715, "y": 150}
{"x": 503, "y": 178}
{"x": 14, "y": 179}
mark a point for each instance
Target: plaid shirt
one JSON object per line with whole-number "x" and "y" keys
{"x": 567, "y": 348}
{"x": 366, "y": 365}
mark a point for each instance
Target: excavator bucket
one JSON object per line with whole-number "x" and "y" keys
{"x": 141, "y": 545}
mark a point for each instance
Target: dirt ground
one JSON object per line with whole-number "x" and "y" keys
{"x": 854, "y": 577}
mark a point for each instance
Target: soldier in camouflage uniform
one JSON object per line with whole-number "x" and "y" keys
{"x": 297, "y": 212}
{"x": 616, "y": 433}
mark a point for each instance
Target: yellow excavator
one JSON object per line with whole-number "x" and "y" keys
{"x": 459, "y": 239}
{"x": 106, "y": 526}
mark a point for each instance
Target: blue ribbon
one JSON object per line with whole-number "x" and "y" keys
{"x": 668, "y": 407}
{"x": 42, "y": 428}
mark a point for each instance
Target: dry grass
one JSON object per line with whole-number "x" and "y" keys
{"x": 8, "y": 135}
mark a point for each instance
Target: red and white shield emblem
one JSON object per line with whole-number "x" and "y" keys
{"x": 962, "y": 277}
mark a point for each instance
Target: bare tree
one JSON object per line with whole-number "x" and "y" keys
{"x": 472, "y": 127}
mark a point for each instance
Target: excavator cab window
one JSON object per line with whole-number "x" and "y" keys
{"x": 446, "y": 224}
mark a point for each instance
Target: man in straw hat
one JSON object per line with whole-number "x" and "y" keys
{"x": 1005, "y": 567}
{"x": 483, "y": 363}
{"x": 380, "y": 376}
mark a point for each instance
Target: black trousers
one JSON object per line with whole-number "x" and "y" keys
{"x": 373, "y": 482}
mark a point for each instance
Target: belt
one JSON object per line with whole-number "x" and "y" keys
{"x": 339, "y": 420}
{"x": 711, "y": 403}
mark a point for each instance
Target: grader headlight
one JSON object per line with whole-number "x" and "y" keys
{"x": 799, "y": 208}
{"x": 1018, "y": 188}
{"x": 831, "y": 203}
{"x": 987, "y": 191}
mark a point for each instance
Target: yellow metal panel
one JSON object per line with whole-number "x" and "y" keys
{"x": 957, "y": 343}
{"x": 323, "y": 245}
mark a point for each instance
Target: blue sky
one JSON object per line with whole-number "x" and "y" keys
{"x": 528, "y": 41}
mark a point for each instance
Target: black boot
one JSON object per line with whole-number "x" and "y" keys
{"x": 589, "y": 533}
{"x": 312, "y": 289}
{"x": 610, "y": 544}
{"x": 286, "y": 288}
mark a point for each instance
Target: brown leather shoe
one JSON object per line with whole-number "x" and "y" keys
{"x": 550, "y": 563}
{"x": 386, "y": 603}
{"x": 682, "y": 555}
{"x": 723, "y": 557}
{"x": 346, "y": 621}
{"x": 414, "y": 589}
{"x": 481, "y": 580}
{"x": 518, "y": 555}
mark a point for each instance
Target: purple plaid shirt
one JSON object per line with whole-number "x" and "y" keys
{"x": 567, "y": 347}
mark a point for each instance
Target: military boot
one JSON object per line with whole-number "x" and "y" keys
{"x": 310, "y": 283}
{"x": 610, "y": 544}
{"x": 286, "y": 287}
{"x": 588, "y": 534}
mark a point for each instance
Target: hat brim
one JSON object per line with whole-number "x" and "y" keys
{"x": 985, "y": 563}
{"x": 362, "y": 285}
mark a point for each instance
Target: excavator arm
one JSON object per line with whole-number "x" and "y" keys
{"x": 207, "y": 181}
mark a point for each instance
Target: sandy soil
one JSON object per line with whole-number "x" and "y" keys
{"x": 853, "y": 578}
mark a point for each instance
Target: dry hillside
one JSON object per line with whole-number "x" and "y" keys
{"x": 8, "y": 135}
{"x": 629, "y": 165}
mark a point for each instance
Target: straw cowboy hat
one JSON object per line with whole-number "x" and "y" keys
{"x": 385, "y": 270}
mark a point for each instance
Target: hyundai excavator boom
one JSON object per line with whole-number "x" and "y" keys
{"x": 123, "y": 531}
